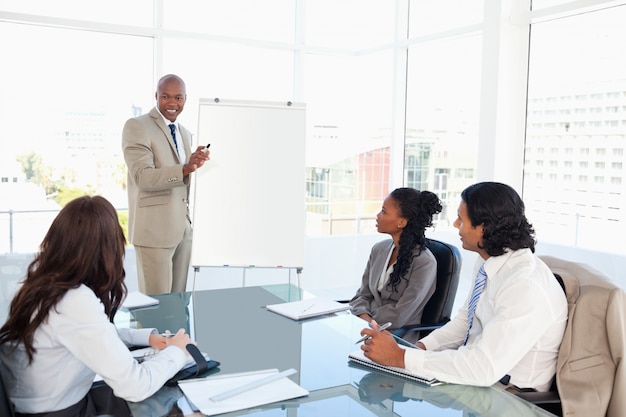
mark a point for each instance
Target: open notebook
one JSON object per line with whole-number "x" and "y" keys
{"x": 311, "y": 307}
{"x": 358, "y": 357}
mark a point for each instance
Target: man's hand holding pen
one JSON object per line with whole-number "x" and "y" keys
{"x": 196, "y": 160}
{"x": 376, "y": 329}
{"x": 381, "y": 347}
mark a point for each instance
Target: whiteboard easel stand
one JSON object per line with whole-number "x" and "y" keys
{"x": 244, "y": 136}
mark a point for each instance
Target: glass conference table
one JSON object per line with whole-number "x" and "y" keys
{"x": 234, "y": 327}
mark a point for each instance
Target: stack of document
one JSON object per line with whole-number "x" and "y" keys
{"x": 312, "y": 307}
{"x": 231, "y": 392}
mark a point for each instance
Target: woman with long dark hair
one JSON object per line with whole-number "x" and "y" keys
{"x": 401, "y": 273}
{"x": 60, "y": 332}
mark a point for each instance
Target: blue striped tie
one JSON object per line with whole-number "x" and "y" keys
{"x": 173, "y": 130}
{"x": 481, "y": 278}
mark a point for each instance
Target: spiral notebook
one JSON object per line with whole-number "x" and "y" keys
{"x": 358, "y": 357}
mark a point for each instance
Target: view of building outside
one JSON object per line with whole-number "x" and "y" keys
{"x": 575, "y": 160}
{"x": 443, "y": 102}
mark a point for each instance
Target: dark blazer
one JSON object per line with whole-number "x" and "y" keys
{"x": 157, "y": 192}
{"x": 401, "y": 307}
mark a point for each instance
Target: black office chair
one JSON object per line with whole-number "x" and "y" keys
{"x": 438, "y": 310}
{"x": 6, "y": 406}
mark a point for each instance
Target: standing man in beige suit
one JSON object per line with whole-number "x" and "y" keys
{"x": 157, "y": 151}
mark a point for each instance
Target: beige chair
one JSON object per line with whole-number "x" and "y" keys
{"x": 591, "y": 375}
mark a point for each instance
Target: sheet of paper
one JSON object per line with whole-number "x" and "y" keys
{"x": 312, "y": 307}
{"x": 136, "y": 299}
{"x": 199, "y": 391}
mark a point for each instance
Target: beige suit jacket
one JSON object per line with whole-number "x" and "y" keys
{"x": 157, "y": 191}
{"x": 591, "y": 375}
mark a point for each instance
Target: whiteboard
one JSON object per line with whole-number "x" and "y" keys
{"x": 249, "y": 198}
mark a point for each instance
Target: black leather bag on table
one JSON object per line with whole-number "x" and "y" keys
{"x": 202, "y": 367}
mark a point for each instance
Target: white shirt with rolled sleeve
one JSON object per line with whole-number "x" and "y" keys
{"x": 517, "y": 329}
{"x": 73, "y": 345}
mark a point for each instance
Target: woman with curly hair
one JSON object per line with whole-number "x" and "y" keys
{"x": 60, "y": 332}
{"x": 401, "y": 273}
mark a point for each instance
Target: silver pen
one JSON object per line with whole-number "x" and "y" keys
{"x": 380, "y": 329}
{"x": 306, "y": 308}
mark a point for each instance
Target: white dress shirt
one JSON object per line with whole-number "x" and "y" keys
{"x": 73, "y": 345}
{"x": 517, "y": 330}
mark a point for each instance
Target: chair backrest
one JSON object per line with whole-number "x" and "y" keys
{"x": 590, "y": 363}
{"x": 438, "y": 310}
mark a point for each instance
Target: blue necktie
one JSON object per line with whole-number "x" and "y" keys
{"x": 173, "y": 130}
{"x": 479, "y": 284}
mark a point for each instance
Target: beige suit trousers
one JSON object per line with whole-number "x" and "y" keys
{"x": 164, "y": 270}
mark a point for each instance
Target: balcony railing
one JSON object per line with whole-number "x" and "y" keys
{"x": 22, "y": 231}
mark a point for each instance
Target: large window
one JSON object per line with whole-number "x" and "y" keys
{"x": 443, "y": 96}
{"x": 347, "y": 85}
{"x": 573, "y": 175}
{"x": 66, "y": 95}
{"x": 349, "y": 102}
{"x": 233, "y": 21}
